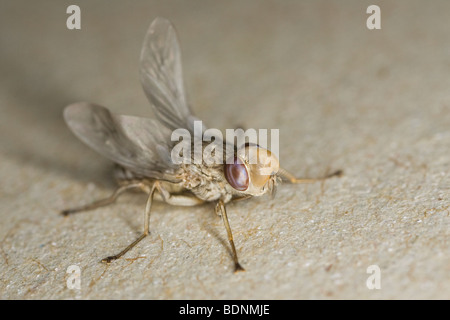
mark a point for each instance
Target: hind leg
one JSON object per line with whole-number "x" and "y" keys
{"x": 109, "y": 200}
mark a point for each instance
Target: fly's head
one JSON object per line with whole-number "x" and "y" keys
{"x": 252, "y": 170}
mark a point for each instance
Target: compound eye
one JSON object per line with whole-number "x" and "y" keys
{"x": 237, "y": 175}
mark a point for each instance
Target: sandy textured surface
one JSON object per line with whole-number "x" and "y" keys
{"x": 374, "y": 103}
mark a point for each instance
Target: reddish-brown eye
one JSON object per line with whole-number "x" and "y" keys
{"x": 237, "y": 175}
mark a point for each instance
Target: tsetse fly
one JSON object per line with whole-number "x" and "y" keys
{"x": 140, "y": 147}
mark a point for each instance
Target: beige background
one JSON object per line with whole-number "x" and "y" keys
{"x": 374, "y": 103}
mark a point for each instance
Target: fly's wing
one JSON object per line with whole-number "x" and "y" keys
{"x": 139, "y": 144}
{"x": 162, "y": 77}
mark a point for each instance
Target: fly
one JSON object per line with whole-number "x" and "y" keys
{"x": 141, "y": 147}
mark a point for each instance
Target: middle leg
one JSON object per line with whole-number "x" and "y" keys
{"x": 148, "y": 207}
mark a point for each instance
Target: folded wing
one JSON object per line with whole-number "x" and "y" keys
{"x": 139, "y": 144}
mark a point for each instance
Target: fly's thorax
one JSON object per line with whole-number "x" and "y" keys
{"x": 252, "y": 170}
{"x": 206, "y": 181}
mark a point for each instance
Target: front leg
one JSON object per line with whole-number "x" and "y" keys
{"x": 220, "y": 210}
{"x": 289, "y": 177}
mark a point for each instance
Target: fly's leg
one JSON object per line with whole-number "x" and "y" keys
{"x": 289, "y": 177}
{"x": 107, "y": 201}
{"x": 146, "y": 227}
{"x": 241, "y": 198}
{"x": 185, "y": 199}
{"x": 220, "y": 210}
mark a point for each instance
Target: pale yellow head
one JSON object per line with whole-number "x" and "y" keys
{"x": 253, "y": 170}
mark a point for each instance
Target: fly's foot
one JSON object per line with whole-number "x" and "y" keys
{"x": 68, "y": 212}
{"x": 109, "y": 259}
{"x": 238, "y": 268}
{"x": 337, "y": 173}
{"x": 65, "y": 213}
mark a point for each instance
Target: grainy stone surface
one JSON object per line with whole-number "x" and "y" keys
{"x": 374, "y": 103}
